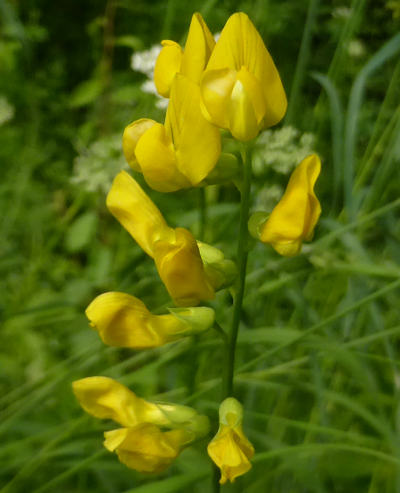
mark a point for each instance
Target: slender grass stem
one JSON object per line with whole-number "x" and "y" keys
{"x": 242, "y": 264}
{"x": 302, "y": 61}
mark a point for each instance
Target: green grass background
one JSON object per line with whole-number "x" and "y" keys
{"x": 318, "y": 353}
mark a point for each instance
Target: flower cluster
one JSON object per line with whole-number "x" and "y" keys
{"x": 229, "y": 85}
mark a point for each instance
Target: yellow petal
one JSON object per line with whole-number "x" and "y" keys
{"x": 145, "y": 448}
{"x": 114, "y": 438}
{"x": 295, "y": 216}
{"x": 198, "y": 48}
{"x": 136, "y": 212}
{"x": 230, "y": 453}
{"x": 180, "y": 267}
{"x": 130, "y": 138}
{"x": 243, "y": 121}
{"x": 124, "y": 321}
{"x": 313, "y": 169}
{"x": 230, "y": 450}
{"x": 167, "y": 65}
{"x": 197, "y": 143}
{"x": 156, "y": 155}
{"x": 241, "y": 46}
{"x": 105, "y": 398}
{"x": 216, "y": 89}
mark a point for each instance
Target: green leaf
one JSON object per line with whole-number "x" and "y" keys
{"x": 81, "y": 232}
{"x": 86, "y": 93}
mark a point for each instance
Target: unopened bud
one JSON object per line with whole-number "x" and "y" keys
{"x": 185, "y": 417}
{"x": 256, "y": 222}
{"x": 231, "y": 412}
{"x": 196, "y": 319}
{"x": 219, "y": 270}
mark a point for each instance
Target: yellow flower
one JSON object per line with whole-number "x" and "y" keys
{"x": 181, "y": 269}
{"x": 175, "y": 251}
{"x": 124, "y": 321}
{"x": 191, "y": 62}
{"x": 141, "y": 444}
{"x": 182, "y": 152}
{"x": 294, "y": 218}
{"x": 106, "y": 398}
{"x": 230, "y": 450}
{"x": 241, "y": 89}
{"x": 145, "y": 448}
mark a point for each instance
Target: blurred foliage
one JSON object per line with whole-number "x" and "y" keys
{"x": 318, "y": 350}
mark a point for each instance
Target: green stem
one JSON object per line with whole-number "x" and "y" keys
{"x": 215, "y": 479}
{"x": 202, "y": 212}
{"x": 242, "y": 264}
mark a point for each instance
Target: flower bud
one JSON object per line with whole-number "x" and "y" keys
{"x": 256, "y": 223}
{"x": 220, "y": 271}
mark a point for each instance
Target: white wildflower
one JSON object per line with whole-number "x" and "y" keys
{"x": 144, "y": 61}
{"x": 97, "y": 165}
{"x": 281, "y": 150}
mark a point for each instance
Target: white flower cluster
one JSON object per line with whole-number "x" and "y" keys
{"x": 282, "y": 150}
{"x": 267, "y": 198}
{"x": 144, "y": 62}
{"x": 97, "y": 165}
{"x": 6, "y": 111}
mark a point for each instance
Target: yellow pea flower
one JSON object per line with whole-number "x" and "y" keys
{"x": 294, "y": 218}
{"x": 230, "y": 450}
{"x": 128, "y": 202}
{"x": 190, "y": 62}
{"x": 181, "y": 269}
{"x": 241, "y": 89}
{"x": 141, "y": 444}
{"x": 182, "y": 152}
{"x": 124, "y": 321}
{"x": 174, "y": 251}
{"x": 106, "y": 398}
{"x": 146, "y": 448}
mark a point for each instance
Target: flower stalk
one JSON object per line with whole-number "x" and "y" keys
{"x": 242, "y": 253}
